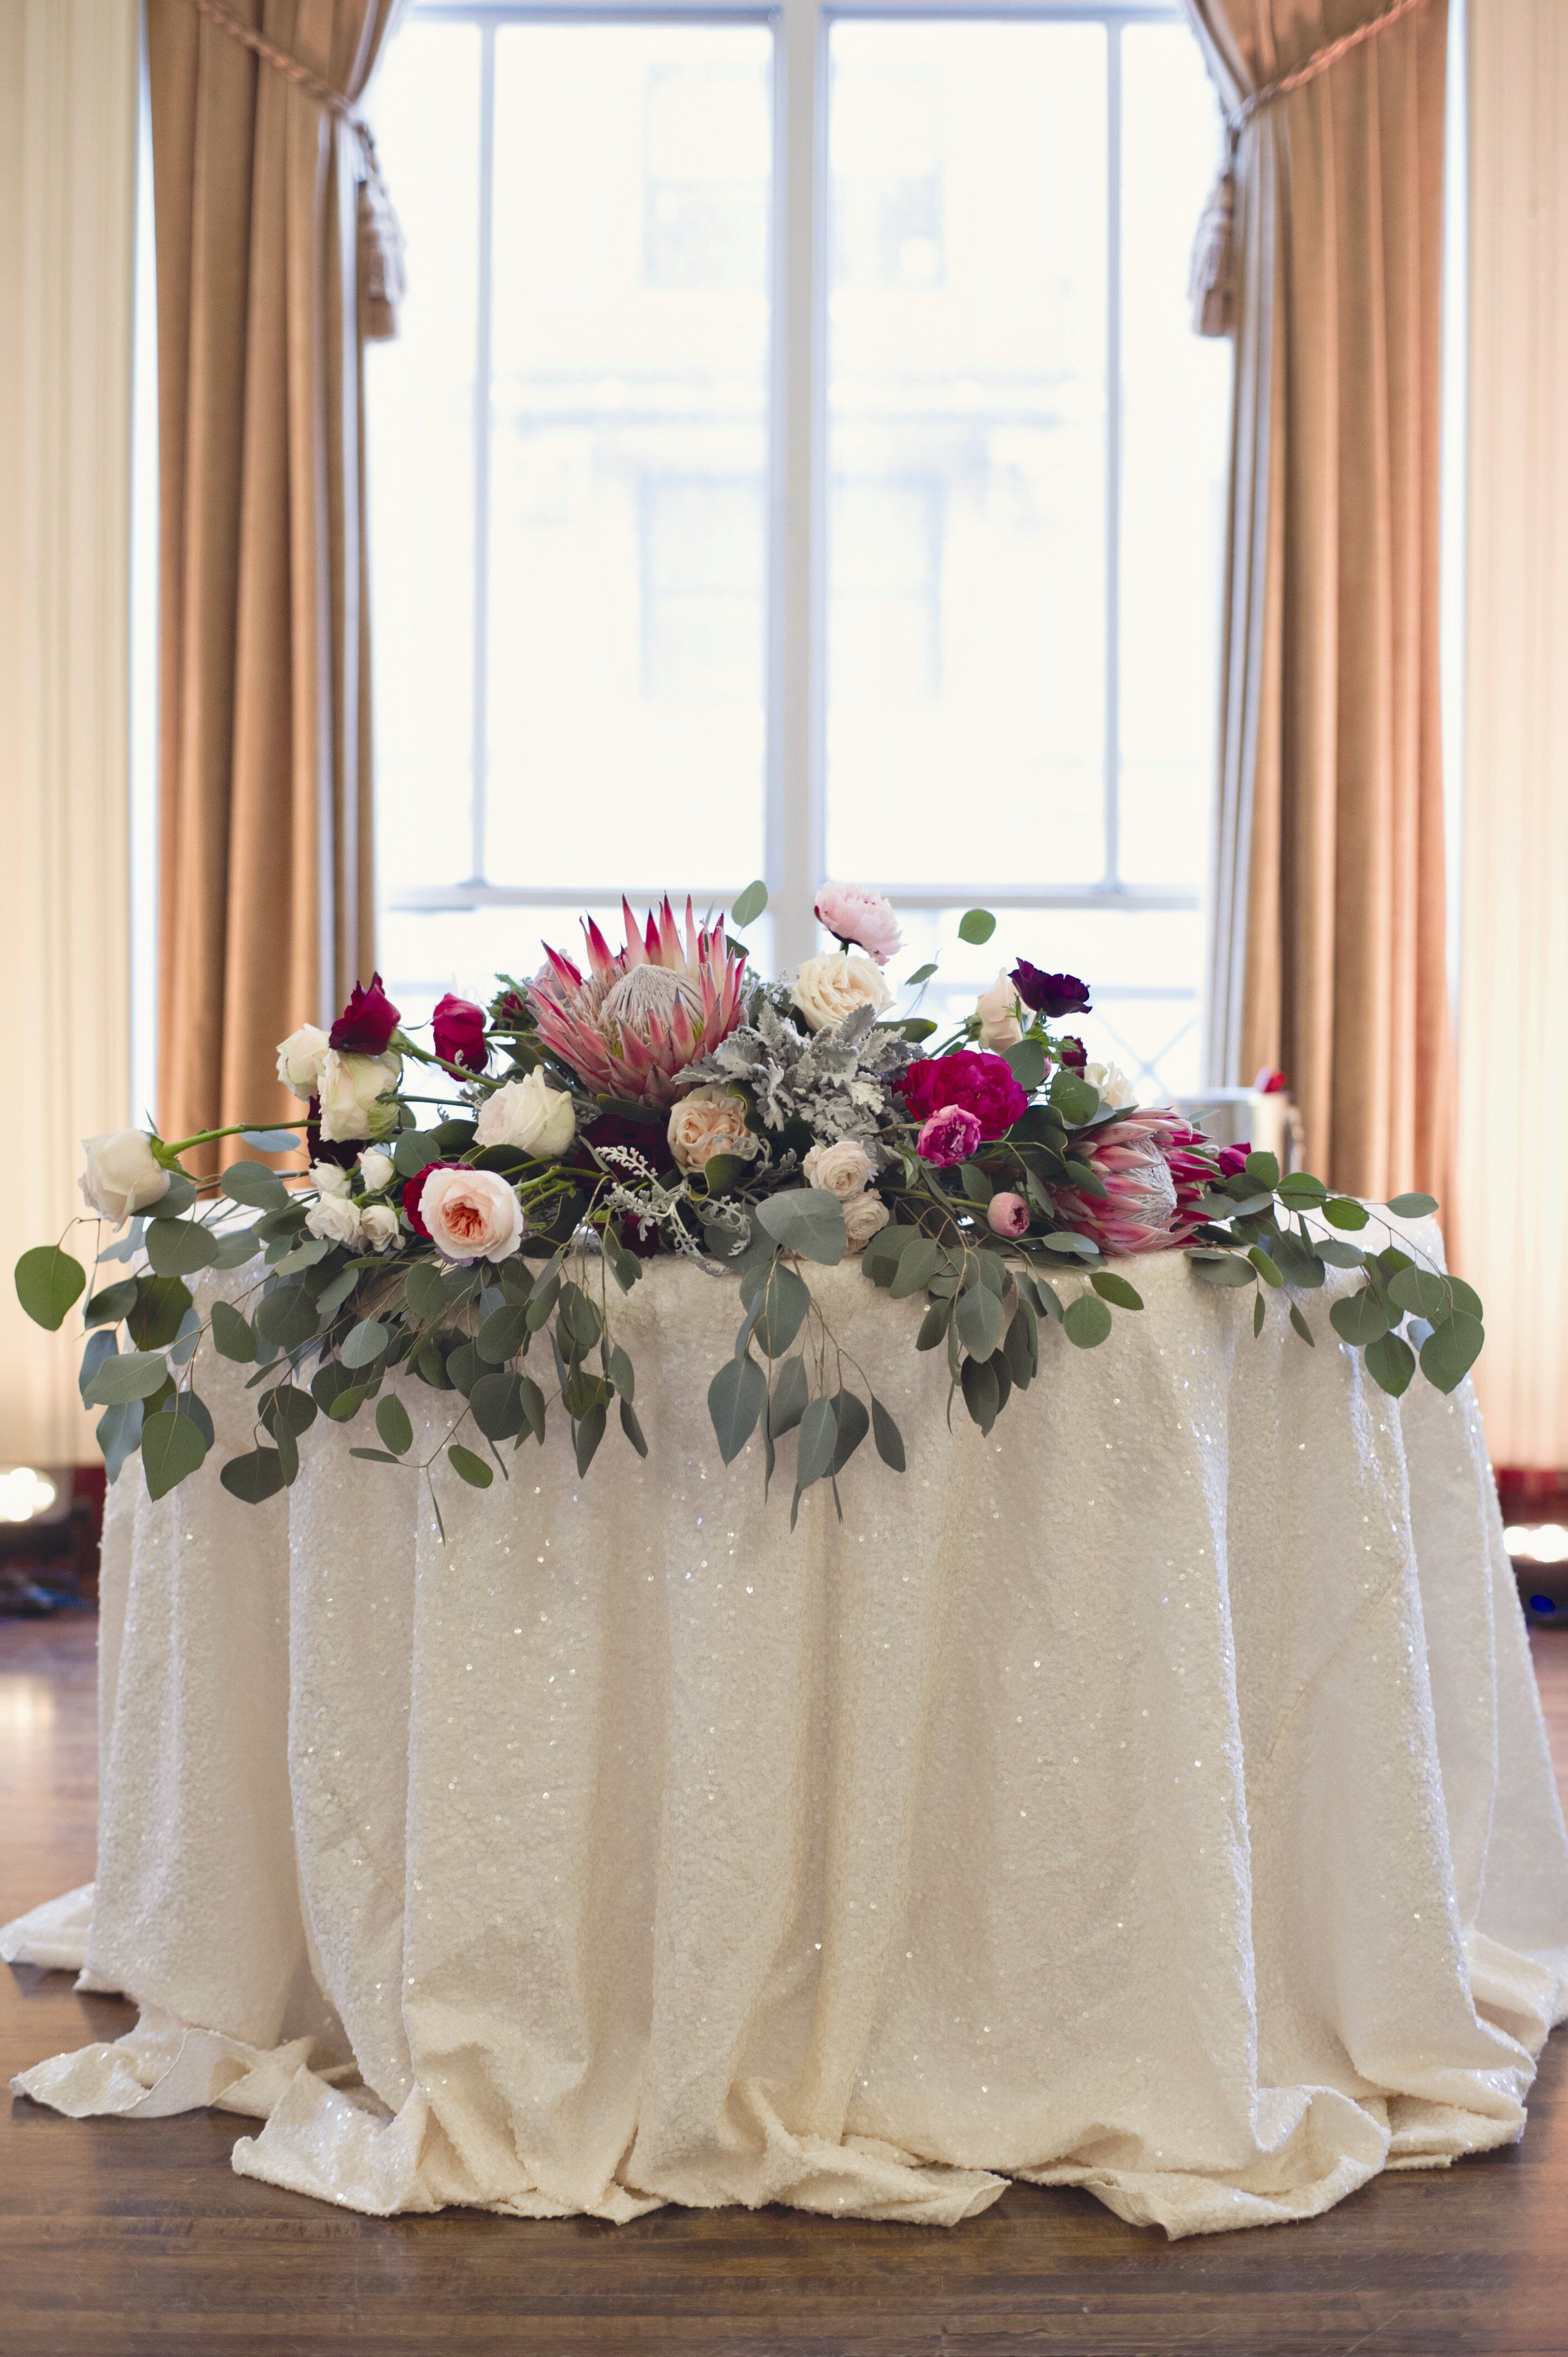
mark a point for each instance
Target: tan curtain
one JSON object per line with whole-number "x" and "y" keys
{"x": 265, "y": 878}
{"x": 1330, "y": 912}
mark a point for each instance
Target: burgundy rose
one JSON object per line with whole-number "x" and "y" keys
{"x": 367, "y": 1023}
{"x": 414, "y": 1187}
{"x": 1074, "y": 1054}
{"x": 643, "y": 1237}
{"x": 1050, "y": 994}
{"x": 970, "y": 1080}
{"x": 459, "y": 1028}
{"x": 950, "y": 1135}
{"x": 1233, "y": 1158}
{"x": 650, "y": 1139}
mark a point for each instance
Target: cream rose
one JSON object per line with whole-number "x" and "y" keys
{"x": 335, "y": 1218}
{"x": 863, "y": 1216}
{"x": 328, "y": 1180}
{"x": 299, "y": 1059}
{"x": 471, "y": 1214}
{"x": 829, "y": 987}
{"x": 998, "y": 1011}
{"x": 842, "y": 1170}
{"x": 122, "y": 1174}
{"x": 356, "y": 1094}
{"x": 376, "y": 1169}
{"x": 1115, "y": 1087}
{"x": 710, "y": 1121}
{"x": 529, "y": 1116}
{"x": 378, "y": 1227}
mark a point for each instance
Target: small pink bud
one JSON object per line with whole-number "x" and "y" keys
{"x": 1008, "y": 1214}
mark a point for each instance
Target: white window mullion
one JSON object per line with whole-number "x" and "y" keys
{"x": 796, "y": 817}
{"x": 482, "y": 429}
{"x": 1113, "y": 457}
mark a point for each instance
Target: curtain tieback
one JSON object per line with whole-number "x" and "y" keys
{"x": 1212, "y": 283}
{"x": 378, "y": 237}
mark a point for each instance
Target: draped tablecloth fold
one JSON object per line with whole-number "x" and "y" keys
{"x": 1152, "y": 1796}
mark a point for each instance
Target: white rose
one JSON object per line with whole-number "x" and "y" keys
{"x": 998, "y": 1011}
{"x": 334, "y": 1218}
{"x": 378, "y": 1227}
{"x": 327, "y": 1180}
{"x": 530, "y": 1116}
{"x": 376, "y": 1169}
{"x": 863, "y": 1215}
{"x": 829, "y": 987}
{"x": 122, "y": 1174}
{"x": 1115, "y": 1089}
{"x": 471, "y": 1214}
{"x": 708, "y": 1121}
{"x": 355, "y": 1093}
{"x": 299, "y": 1059}
{"x": 842, "y": 1170}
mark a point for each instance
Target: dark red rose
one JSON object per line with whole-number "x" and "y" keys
{"x": 1074, "y": 1054}
{"x": 459, "y": 1028}
{"x": 1233, "y": 1158}
{"x": 411, "y": 1193}
{"x": 650, "y": 1139}
{"x": 643, "y": 1237}
{"x": 1050, "y": 994}
{"x": 974, "y": 1081}
{"x": 367, "y": 1023}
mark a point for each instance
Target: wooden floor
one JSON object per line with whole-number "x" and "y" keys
{"x": 120, "y": 2239}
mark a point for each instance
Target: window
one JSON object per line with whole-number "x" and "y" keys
{"x": 797, "y": 461}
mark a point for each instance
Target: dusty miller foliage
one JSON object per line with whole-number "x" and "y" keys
{"x": 837, "y": 1083}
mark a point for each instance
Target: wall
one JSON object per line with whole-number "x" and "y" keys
{"x": 1513, "y": 1210}
{"x": 67, "y": 129}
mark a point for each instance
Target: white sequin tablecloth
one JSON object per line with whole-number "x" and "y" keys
{"x": 1152, "y": 1797}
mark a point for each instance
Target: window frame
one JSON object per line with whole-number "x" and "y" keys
{"x": 795, "y": 779}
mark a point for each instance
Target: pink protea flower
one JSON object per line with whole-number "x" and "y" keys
{"x": 630, "y": 1027}
{"x": 1147, "y": 1206}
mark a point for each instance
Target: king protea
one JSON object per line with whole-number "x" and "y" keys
{"x": 633, "y": 1023}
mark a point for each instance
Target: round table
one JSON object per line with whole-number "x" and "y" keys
{"x": 1150, "y": 1796}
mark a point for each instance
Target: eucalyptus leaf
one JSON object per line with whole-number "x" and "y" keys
{"x": 916, "y": 1266}
{"x": 129, "y": 1375}
{"x": 980, "y": 1321}
{"x": 790, "y": 1393}
{"x": 1267, "y": 1268}
{"x": 1228, "y": 1269}
{"x": 364, "y": 1344}
{"x": 502, "y": 1334}
{"x": 1069, "y": 1242}
{"x": 976, "y": 926}
{"x": 99, "y": 1346}
{"x": 392, "y": 1424}
{"x": 335, "y": 1293}
{"x": 630, "y": 1426}
{"x": 590, "y": 1432}
{"x": 48, "y": 1280}
{"x": 735, "y": 1399}
{"x": 1301, "y": 1190}
{"x": 238, "y": 1246}
{"x": 781, "y": 1310}
{"x": 1076, "y": 1100}
{"x": 272, "y": 1141}
{"x": 423, "y": 1292}
{"x": 982, "y": 1391}
{"x": 934, "y": 1325}
{"x": 231, "y": 1333}
{"x": 1344, "y": 1211}
{"x": 1422, "y": 1290}
{"x": 748, "y": 906}
{"x": 179, "y": 1247}
{"x": 114, "y": 1302}
{"x": 1359, "y": 1317}
{"x": 172, "y": 1446}
{"x": 496, "y": 1402}
{"x": 806, "y": 1220}
{"x": 889, "y": 1438}
{"x": 819, "y": 1439}
{"x": 1413, "y": 1206}
{"x": 1301, "y": 1327}
{"x": 1451, "y": 1350}
{"x": 1111, "y": 1288}
{"x": 921, "y": 974}
{"x": 1088, "y": 1321}
{"x": 1262, "y": 1168}
{"x": 254, "y": 1184}
{"x": 1391, "y": 1363}
{"x": 254, "y": 1477}
{"x": 469, "y": 1468}
{"x": 1338, "y": 1253}
{"x": 119, "y": 1434}
{"x": 1027, "y": 1058}
{"x": 853, "y": 1423}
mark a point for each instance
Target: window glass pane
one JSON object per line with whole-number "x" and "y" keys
{"x": 626, "y": 641}
{"x": 966, "y": 391}
{"x": 420, "y": 461}
{"x": 1175, "y": 416}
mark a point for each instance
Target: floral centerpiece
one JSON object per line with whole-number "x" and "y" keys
{"x": 474, "y": 1205}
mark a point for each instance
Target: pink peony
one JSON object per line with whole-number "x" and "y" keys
{"x": 1008, "y": 1214}
{"x": 983, "y": 1085}
{"x": 950, "y": 1135}
{"x": 1144, "y": 1208}
{"x": 853, "y": 913}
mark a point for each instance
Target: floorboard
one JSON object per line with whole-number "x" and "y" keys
{"x": 120, "y": 2239}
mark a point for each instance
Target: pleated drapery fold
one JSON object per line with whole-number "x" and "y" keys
{"x": 1328, "y": 957}
{"x": 266, "y": 902}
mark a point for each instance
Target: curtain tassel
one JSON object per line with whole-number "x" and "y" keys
{"x": 382, "y": 279}
{"x": 1212, "y": 282}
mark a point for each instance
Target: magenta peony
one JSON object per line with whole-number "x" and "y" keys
{"x": 1144, "y": 1208}
{"x": 1007, "y": 1214}
{"x": 856, "y": 914}
{"x": 981, "y": 1084}
{"x": 950, "y": 1135}
{"x": 367, "y": 1023}
{"x": 459, "y": 1028}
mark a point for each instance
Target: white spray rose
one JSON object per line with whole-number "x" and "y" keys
{"x": 122, "y": 1174}
{"x": 378, "y": 1227}
{"x": 863, "y": 1216}
{"x": 299, "y": 1059}
{"x": 842, "y": 1170}
{"x": 376, "y": 1169}
{"x": 1115, "y": 1087}
{"x": 335, "y": 1218}
{"x": 327, "y": 1180}
{"x": 829, "y": 987}
{"x": 355, "y": 1093}
{"x": 998, "y": 1011}
{"x": 529, "y": 1116}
